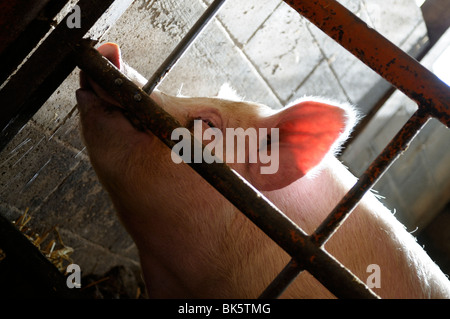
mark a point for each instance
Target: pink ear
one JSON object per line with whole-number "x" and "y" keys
{"x": 111, "y": 51}
{"x": 307, "y": 132}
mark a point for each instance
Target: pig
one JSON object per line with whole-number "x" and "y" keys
{"x": 193, "y": 243}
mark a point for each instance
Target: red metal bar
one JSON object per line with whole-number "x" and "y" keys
{"x": 387, "y": 157}
{"x": 344, "y": 208}
{"x": 282, "y": 281}
{"x": 381, "y": 55}
{"x": 49, "y": 65}
{"x": 397, "y": 67}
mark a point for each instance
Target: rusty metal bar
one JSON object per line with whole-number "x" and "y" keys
{"x": 22, "y": 25}
{"x": 48, "y": 67}
{"x": 146, "y": 115}
{"x": 399, "y": 69}
{"x": 345, "y": 207}
{"x": 20, "y": 99}
{"x": 381, "y": 55}
{"x": 184, "y": 44}
{"x": 387, "y": 157}
{"x": 282, "y": 281}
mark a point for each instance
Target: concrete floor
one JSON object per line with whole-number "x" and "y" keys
{"x": 266, "y": 52}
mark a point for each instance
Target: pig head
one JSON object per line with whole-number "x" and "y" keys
{"x": 193, "y": 243}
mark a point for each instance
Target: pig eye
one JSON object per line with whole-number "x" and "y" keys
{"x": 267, "y": 146}
{"x": 207, "y": 122}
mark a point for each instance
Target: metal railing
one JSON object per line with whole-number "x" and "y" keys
{"x": 402, "y": 71}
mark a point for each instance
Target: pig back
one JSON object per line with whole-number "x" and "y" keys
{"x": 370, "y": 237}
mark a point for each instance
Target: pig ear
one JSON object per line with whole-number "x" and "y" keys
{"x": 307, "y": 132}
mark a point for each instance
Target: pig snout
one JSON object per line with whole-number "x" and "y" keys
{"x": 108, "y": 136}
{"x": 94, "y": 103}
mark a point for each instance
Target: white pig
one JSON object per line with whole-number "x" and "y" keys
{"x": 193, "y": 243}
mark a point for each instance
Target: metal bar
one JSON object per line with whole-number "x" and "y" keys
{"x": 15, "y": 17}
{"x": 185, "y": 43}
{"x": 344, "y": 208}
{"x": 387, "y": 157}
{"x": 15, "y": 47}
{"x": 44, "y": 71}
{"x": 399, "y": 69}
{"x": 381, "y": 55}
{"x": 282, "y": 281}
{"x": 31, "y": 275}
{"x": 146, "y": 115}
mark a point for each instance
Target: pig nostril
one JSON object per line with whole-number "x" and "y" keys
{"x": 206, "y": 121}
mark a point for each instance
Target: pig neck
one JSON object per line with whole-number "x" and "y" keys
{"x": 223, "y": 254}
{"x": 230, "y": 257}
{"x": 194, "y": 246}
